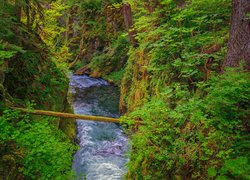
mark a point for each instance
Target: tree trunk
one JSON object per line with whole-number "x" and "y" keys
{"x": 27, "y": 11}
{"x": 18, "y": 11}
{"x": 128, "y": 21}
{"x": 72, "y": 116}
{"x": 239, "y": 42}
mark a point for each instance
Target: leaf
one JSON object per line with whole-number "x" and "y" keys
{"x": 211, "y": 172}
{"x": 221, "y": 178}
{"x": 7, "y": 54}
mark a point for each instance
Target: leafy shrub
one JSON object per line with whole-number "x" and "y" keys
{"x": 115, "y": 76}
{"x": 174, "y": 43}
{"x": 46, "y": 151}
{"x": 113, "y": 60}
{"x": 187, "y": 136}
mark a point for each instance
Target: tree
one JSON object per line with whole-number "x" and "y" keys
{"x": 18, "y": 11}
{"x": 239, "y": 42}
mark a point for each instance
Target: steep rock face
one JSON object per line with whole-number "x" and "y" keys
{"x": 30, "y": 77}
{"x": 168, "y": 52}
{"x": 105, "y": 31}
{"x": 171, "y": 83}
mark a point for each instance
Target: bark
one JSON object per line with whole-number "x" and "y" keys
{"x": 127, "y": 16}
{"x": 180, "y": 3}
{"x": 128, "y": 21}
{"x": 70, "y": 116}
{"x": 239, "y": 42}
{"x": 151, "y": 5}
{"x": 18, "y": 11}
{"x": 32, "y": 18}
{"x": 27, "y": 11}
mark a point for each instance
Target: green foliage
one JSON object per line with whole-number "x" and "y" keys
{"x": 196, "y": 121}
{"x": 113, "y": 60}
{"x": 46, "y": 151}
{"x": 6, "y": 54}
{"x": 33, "y": 147}
{"x": 6, "y": 20}
{"x": 182, "y": 132}
{"x": 7, "y": 33}
{"x": 232, "y": 99}
{"x": 52, "y": 32}
{"x": 174, "y": 44}
{"x": 115, "y": 77}
{"x": 35, "y": 76}
{"x": 238, "y": 167}
{"x": 95, "y": 27}
{"x": 194, "y": 128}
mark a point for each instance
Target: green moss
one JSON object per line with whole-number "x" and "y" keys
{"x": 182, "y": 129}
{"x": 32, "y": 146}
{"x": 113, "y": 60}
{"x": 115, "y": 77}
{"x": 38, "y": 147}
{"x": 68, "y": 126}
{"x": 193, "y": 118}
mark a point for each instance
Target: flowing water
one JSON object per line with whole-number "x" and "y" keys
{"x": 102, "y": 145}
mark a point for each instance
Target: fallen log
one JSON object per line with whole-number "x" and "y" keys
{"x": 85, "y": 70}
{"x": 70, "y": 116}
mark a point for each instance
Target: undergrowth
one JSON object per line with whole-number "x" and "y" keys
{"x": 34, "y": 147}
{"x": 186, "y": 135}
{"x": 194, "y": 118}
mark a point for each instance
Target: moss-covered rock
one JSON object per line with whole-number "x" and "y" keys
{"x": 29, "y": 78}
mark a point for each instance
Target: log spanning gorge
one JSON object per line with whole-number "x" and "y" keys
{"x": 102, "y": 145}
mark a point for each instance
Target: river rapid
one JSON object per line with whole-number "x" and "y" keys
{"x": 102, "y": 145}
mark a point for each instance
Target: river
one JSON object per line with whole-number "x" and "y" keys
{"x": 102, "y": 145}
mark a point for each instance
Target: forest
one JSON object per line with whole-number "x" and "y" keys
{"x": 181, "y": 68}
